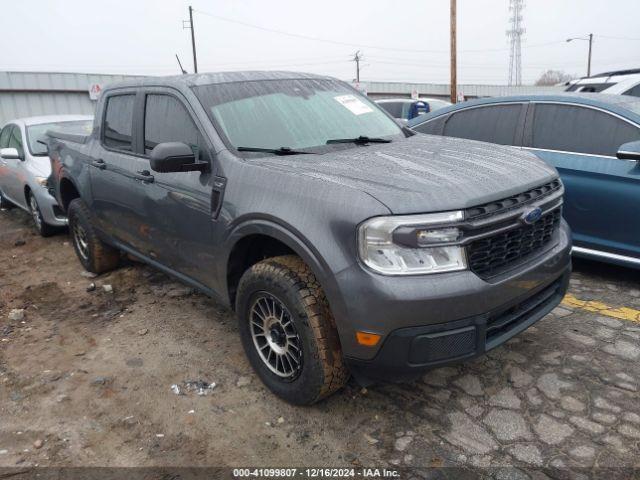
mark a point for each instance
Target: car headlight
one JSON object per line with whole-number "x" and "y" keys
{"x": 412, "y": 244}
{"x": 42, "y": 181}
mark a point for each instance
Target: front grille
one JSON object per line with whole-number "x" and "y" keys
{"x": 499, "y": 253}
{"x": 511, "y": 203}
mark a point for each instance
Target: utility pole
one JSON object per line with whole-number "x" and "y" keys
{"x": 454, "y": 59}
{"x": 356, "y": 58}
{"x": 589, "y": 61}
{"x": 193, "y": 40}
{"x": 590, "y": 40}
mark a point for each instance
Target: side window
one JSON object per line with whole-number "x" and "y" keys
{"x": 15, "y": 140}
{"x": 118, "y": 122}
{"x": 633, "y": 91}
{"x": 4, "y": 136}
{"x": 494, "y": 124}
{"x": 394, "y": 108}
{"x": 432, "y": 127}
{"x": 167, "y": 120}
{"x": 581, "y": 130}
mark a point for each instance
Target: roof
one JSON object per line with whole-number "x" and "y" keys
{"x": 624, "y": 105}
{"x": 50, "y": 119}
{"x": 195, "y": 79}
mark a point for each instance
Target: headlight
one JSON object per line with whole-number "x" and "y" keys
{"x": 409, "y": 244}
{"x": 42, "y": 181}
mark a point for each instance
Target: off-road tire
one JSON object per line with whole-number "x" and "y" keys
{"x": 43, "y": 228}
{"x": 99, "y": 257}
{"x": 291, "y": 281}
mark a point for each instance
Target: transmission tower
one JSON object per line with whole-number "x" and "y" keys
{"x": 515, "y": 38}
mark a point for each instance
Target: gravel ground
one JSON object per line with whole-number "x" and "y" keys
{"x": 86, "y": 380}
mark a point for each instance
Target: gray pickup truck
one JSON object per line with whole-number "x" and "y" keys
{"x": 345, "y": 244}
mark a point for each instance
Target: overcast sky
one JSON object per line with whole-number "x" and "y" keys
{"x": 404, "y": 40}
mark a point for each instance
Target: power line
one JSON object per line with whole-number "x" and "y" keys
{"x": 358, "y": 45}
{"x": 619, "y": 38}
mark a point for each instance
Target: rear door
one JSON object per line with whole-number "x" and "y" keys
{"x": 602, "y": 192}
{"x": 115, "y": 184}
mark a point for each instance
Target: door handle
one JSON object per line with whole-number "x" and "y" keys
{"x": 144, "y": 176}
{"x": 99, "y": 163}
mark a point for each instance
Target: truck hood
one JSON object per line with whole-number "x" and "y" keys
{"x": 425, "y": 173}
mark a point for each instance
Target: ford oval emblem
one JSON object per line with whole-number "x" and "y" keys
{"x": 531, "y": 215}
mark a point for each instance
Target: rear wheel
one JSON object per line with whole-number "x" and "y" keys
{"x": 43, "y": 228}
{"x": 287, "y": 331}
{"x": 95, "y": 255}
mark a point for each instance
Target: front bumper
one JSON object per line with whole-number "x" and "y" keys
{"x": 52, "y": 214}
{"x": 408, "y": 351}
{"x": 431, "y": 320}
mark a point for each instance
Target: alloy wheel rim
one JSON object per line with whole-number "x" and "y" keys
{"x": 35, "y": 212}
{"x": 275, "y": 337}
{"x": 80, "y": 240}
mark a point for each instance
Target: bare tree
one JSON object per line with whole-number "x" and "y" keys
{"x": 553, "y": 77}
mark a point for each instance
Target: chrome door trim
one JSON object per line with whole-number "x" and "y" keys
{"x": 599, "y": 254}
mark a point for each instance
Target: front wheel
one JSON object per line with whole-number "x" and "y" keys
{"x": 4, "y": 203}
{"x": 287, "y": 331}
{"x": 43, "y": 228}
{"x": 95, "y": 255}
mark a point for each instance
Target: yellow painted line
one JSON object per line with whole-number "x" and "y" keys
{"x": 622, "y": 313}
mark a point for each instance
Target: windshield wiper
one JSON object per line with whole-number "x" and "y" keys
{"x": 361, "y": 140}
{"x": 275, "y": 151}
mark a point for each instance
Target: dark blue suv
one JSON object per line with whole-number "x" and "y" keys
{"x": 594, "y": 142}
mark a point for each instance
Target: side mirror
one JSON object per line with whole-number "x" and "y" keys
{"x": 629, "y": 151}
{"x": 174, "y": 157}
{"x": 10, "y": 154}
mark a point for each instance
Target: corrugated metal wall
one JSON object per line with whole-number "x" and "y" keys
{"x": 19, "y": 104}
{"x": 28, "y": 94}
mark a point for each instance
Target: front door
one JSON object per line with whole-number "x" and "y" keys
{"x": 178, "y": 205}
{"x": 14, "y": 168}
{"x": 602, "y": 191}
{"x": 5, "y": 170}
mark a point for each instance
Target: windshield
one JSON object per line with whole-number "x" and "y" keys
{"x": 38, "y": 132}
{"x": 296, "y": 114}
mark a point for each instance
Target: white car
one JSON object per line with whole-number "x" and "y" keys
{"x": 622, "y": 82}
{"x": 405, "y": 109}
{"x": 25, "y": 167}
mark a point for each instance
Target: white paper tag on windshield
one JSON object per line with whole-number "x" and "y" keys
{"x": 353, "y": 104}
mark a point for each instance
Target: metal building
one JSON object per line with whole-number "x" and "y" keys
{"x": 26, "y": 94}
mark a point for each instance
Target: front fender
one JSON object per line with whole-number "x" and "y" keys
{"x": 301, "y": 246}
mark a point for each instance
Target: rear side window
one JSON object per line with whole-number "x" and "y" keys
{"x": 432, "y": 127}
{"x": 4, "y": 136}
{"x": 394, "y": 108}
{"x": 576, "y": 129}
{"x": 167, "y": 120}
{"x": 634, "y": 91}
{"x": 593, "y": 87}
{"x": 118, "y": 122}
{"x": 494, "y": 124}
